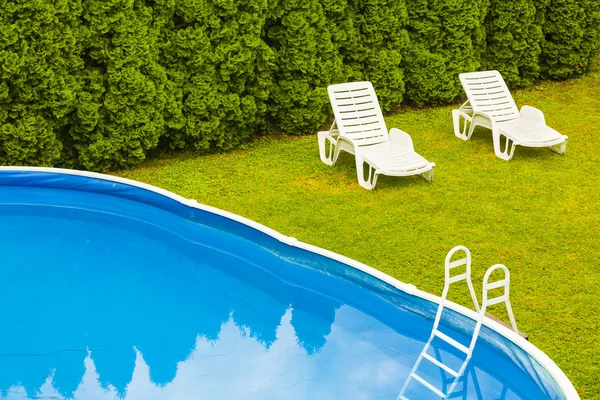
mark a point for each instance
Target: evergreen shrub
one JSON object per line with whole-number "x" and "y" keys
{"x": 220, "y": 69}
{"x": 513, "y": 39}
{"x": 447, "y": 37}
{"x": 40, "y": 78}
{"x": 571, "y": 39}
{"x": 121, "y": 101}
{"x": 306, "y": 62}
{"x": 382, "y": 40}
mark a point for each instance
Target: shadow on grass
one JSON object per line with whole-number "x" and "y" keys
{"x": 393, "y": 182}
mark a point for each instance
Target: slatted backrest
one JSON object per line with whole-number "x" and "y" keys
{"x": 357, "y": 113}
{"x": 488, "y": 93}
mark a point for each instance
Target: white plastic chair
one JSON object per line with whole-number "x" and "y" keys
{"x": 359, "y": 129}
{"x": 491, "y": 105}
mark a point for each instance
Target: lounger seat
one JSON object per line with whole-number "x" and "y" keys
{"x": 530, "y": 133}
{"x": 394, "y": 159}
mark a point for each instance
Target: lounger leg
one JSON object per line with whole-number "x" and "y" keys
{"x": 465, "y": 131}
{"x": 374, "y": 182}
{"x": 428, "y": 176}
{"x": 370, "y": 182}
{"x": 509, "y": 146}
{"x": 336, "y": 153}
{"x": 559, "y": 148}
{"x": 326, "y": 142}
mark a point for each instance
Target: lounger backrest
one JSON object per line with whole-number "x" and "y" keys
{"x": 357, "y": 113}
{"x": 488, "y": 93}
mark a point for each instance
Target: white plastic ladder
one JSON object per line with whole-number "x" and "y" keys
{"x": 468, "y": 351}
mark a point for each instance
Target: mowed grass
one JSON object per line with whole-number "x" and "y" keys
{"x": 538, "y": 214}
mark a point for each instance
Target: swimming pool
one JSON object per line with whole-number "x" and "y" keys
{"x": 115, "y": 289}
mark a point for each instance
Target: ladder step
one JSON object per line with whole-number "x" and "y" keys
{"x": 451, "y": 341}
{"x": 496, "y": 285}
{"x": 496, "y": 300}
{"x": 439, "y": 364}
{"x": 457, "y": 278}
{"x": 428, "y": 385}
{"x": 457, "y": 263}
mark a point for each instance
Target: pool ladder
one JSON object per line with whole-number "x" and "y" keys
{"x": 467, "y": 351}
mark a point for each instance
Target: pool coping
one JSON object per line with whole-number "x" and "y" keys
{"x": 561, "y": 379}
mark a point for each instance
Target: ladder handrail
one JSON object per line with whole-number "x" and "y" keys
{"x": 504, "y": 282}
{"x": 448, "y": 280}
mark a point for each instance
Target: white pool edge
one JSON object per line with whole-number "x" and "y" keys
{"x": 561, "y": 379}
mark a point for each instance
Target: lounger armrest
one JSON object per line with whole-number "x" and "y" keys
{"x": 466, "y": 108}
{"x": 402, "y": 138}
{"x": 532, "y": 113}
{"x": 483, "y": 115}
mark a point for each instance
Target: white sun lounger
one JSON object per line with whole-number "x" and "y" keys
{"x": 491, "y": 105}
{"x": 359, "y": 128}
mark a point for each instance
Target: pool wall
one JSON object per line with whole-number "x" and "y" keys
{"x": 293, "y": 252}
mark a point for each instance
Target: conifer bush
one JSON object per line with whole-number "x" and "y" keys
{"x": 513, "y": 41}
{"x": 383, "y": 40}
{"x": 446, "y": 38}
{"x": 122, "y": 99}
{"x": 346, "y": 38}
{"x": 306, "y": 62}
{"x": 370, "y": 36}
{"x": 221, "y": 69}
{"x": 40, "y": 65}
{"x": 571, "y": 37}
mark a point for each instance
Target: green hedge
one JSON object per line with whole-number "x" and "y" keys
{"x": 98, "y": 84}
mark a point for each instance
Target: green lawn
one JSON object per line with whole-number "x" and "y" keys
{"x": 538, "y": 214}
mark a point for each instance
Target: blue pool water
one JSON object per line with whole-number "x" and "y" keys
{"x": 106, "y": 297}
